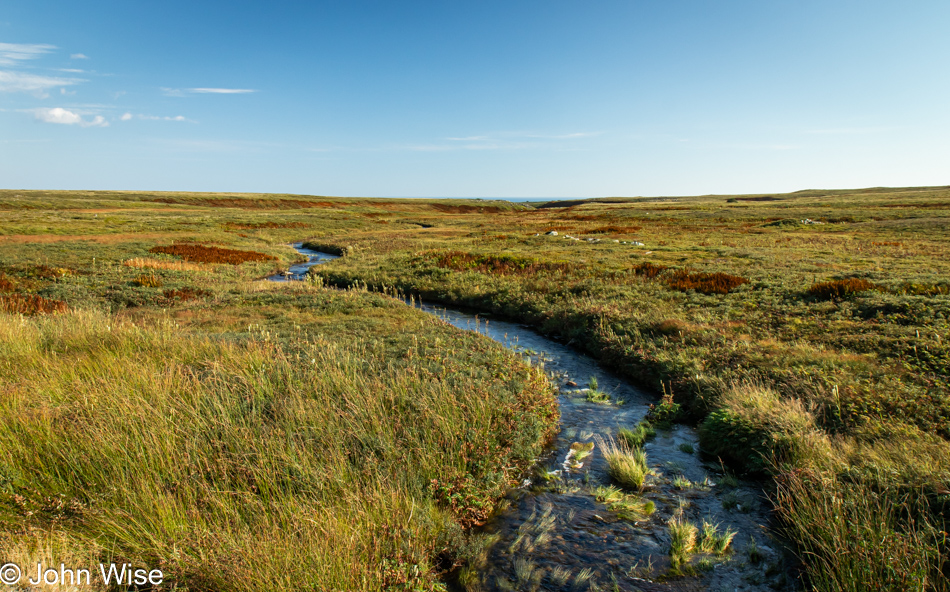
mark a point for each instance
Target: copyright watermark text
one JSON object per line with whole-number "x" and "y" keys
{"x": 120, "y": 574}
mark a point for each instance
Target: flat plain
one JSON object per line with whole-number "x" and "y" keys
{"x": 164, "y": 405}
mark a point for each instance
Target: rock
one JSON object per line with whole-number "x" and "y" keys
{"x": 570, "y": 383}
{"x": 552, "y": 233}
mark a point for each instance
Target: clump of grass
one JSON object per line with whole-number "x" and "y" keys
{"x": 628, "y": 507}
{"x": 707, "y": 283}
{"x": 680, "y": 482}
{"x": 667, "y": 411}
{"x": 716, "y": 542}
{"x": 30, "y": 304}
{"x": 594, "y": 395}
{"x": 626, "y": 466}
{"x": 203, "y": 254}
{"x": 838, "y": 289}
{"x": 149, "y": 263}
{"x": 148, "y": 280}
{"x": 638, "y": 436}
{"x": 683, "y": 535}
{"x": 687, "y": 447}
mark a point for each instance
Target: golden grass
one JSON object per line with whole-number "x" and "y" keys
{"x": 148, "y": 263}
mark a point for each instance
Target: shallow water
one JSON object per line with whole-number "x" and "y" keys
{"x": 554, "y": 535}
{"x": 298, "y": 271}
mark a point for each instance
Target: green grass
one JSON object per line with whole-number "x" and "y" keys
{"x": 626, "y": 466}
{"x": 260, "y": 460}
{"x": 801, "y": 370}
{"x": 638, "y": 436}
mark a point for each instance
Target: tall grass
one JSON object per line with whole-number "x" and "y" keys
{"x": 626, "y": 466}
{"x": 251, "y": 466}
{"x": 851, "y": 534}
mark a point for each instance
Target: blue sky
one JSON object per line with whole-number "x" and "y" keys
{"x": 480, "y": 98}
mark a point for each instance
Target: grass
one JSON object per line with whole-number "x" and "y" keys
{"x": 683, "y": 535}
{"x": 626, "y": 466}
{"x": 638, "y": 436}
{"x": 847, "y": 386}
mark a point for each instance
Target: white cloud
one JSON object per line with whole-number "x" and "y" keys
{"x": 32, "y": 83}
{"x": 222, "y": 91}
{"x": 78, "y": 56}
{"x": 129, "y": 117}
{"x": 67, "y": 117}
{"x": 172, "y": 92}
{"x": 11, "y": 53}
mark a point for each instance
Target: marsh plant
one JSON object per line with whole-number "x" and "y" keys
{"x": 626, "y": 466}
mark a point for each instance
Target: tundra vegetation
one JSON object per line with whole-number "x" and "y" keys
{"x": 162, "y": 406}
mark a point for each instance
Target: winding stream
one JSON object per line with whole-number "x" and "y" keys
{"x": 553, "y": 534}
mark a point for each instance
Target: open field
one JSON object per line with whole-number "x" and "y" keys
{"x": 805, "y": 333}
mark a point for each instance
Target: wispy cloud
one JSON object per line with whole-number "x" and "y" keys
{"x": 508, "y": 140}
{"x": 11, "y": 81}
{"x": 222, "y": 91}
{"x": 130, "y": 117}
{"x": 180, "y": 92}
{"x": 11, "y": 53}
{"x": 78, "y": 56}
{"x": 67, "y": 117}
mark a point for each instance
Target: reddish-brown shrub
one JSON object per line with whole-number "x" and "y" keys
{"x": 6, "y": 284}
{"x": 29, "y": 304}
{"x": 841, "y": 288}
{"x": 648, "y": 270}
{"x": 707, "y": 283}
{"x": 203, "y": 254}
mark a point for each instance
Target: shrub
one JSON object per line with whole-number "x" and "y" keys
{"x": 6, "y": 284}
{"x": 707, "y": 283}
{"x": 648, "y": 270}
{"x": 754, "y": 427}
{"x": 29, "y": 304}
{"x": 203, "y": 254}
{"x": 841, "y": 288}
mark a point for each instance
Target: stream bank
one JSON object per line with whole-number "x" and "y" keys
{"x": 554, "y": 534}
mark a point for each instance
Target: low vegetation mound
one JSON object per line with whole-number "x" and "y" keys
{"x": 837, "y": 289}
{"x": 498, "y": 264}
{"x": 707, "y": 283}
{"x": 203, "y": 254}
{"x": 649, "y": 270}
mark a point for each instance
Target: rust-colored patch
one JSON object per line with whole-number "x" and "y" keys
{"x": 30, "y": 304}
{"x": 203, "y": 254}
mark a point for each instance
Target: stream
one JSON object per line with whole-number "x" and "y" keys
{"x": 552, "y": 533}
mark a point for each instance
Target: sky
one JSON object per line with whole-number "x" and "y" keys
{"x": 482, "y": 98}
